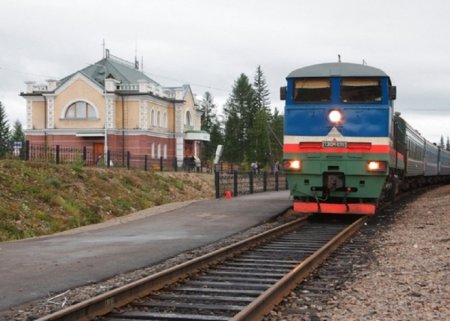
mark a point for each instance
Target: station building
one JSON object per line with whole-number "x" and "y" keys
{"x": 112, "y": 105}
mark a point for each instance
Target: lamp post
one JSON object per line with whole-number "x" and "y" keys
{"x": 106, "y": 129}
{"x": 105, "y": 148}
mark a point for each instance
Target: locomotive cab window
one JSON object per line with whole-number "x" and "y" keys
{"x": 312, "y": 90}
{"x": 361, "y": 90}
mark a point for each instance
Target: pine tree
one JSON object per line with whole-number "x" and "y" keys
{"x": 17, "y": 134}
{"x": 448, "y": 143}
{"x": 4, "y": 132}
{"x": 211, "y": 124}
{"x": 261, "y": 100}
{"x": 208, "y": 110}
{"x": 233, "y": 143}
{"x": 441, "y": 144}
{"x": 260, "y": 146}
{"x": 239, "y": 116}
{"x": 276, "y": 129}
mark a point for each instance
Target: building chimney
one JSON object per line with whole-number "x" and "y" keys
{"x": 142, "y": 85}
{"x": 51, "y": 84}
{"x": 111, "y": 84}
{"x": 30, "y": 86}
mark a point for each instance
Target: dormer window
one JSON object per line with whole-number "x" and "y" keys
{"x": 81, "y": 110}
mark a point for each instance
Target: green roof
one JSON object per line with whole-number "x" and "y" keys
{"x": 197, "y": 131}
{"x": 112, "y": 67}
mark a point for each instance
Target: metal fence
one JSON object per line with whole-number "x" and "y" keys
{"x": 227, "y": 177}
{"x": 65, "y": 155}
{"x": 58, "y": 154}
{"x": 240, "y": 183}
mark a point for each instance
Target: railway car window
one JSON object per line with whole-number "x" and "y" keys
{"x": 360, "y": 90}
{"x": 312, "y": 90}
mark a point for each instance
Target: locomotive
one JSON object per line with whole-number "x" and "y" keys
{"x": 345, "y": 149}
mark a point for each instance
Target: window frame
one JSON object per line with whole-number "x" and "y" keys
{"x": 312, "y": 79}
{"x": 80, "y": 110}
{"x": 188, "y": 118}
{"x": 380, "y": 87}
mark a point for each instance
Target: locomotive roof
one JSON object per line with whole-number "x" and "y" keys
{"x": 337, "y": 69}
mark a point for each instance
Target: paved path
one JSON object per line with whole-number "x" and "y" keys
{"x": 35, "y": 268}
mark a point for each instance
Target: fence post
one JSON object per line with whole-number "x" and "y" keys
{"x": 265, "y": 182}
{"x": 108, "y": 158}
{"x": 250, "y": 183}
{"x": 235, "y": 183}
{"x": 27, "y": 150}
{"x": 276, "y": 181}
{"x": 128, "y": 159}
{"x": 161, "y": 165}
{"x": 145, "y": 162}
{"x": 84, "y": 154}
{"x": 175, "y": 164}
{"x": 217, "y": 183}
{"x": 57, "y": 154}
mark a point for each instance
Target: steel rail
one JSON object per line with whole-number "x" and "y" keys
{"x": 256, "y": 310}
{"x": 106, "y": 302}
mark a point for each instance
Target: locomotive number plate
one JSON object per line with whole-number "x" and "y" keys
{"x": 334, "y": 144}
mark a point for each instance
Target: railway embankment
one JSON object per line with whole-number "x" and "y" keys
{"x": 40, "y": 199}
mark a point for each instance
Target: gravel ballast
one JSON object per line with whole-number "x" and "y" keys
{"x": 406, "y": 276}
{"x": 409, "y": 278}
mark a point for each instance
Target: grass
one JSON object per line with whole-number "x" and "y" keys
{"x": 39, "y": 199}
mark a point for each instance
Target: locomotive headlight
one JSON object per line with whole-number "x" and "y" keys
{"x": 335, "y": 116}
{"x": 292, "y": 164}
{"x": 376, "y": 166}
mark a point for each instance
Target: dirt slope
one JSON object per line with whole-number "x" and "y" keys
{"x": 39, "y": 199}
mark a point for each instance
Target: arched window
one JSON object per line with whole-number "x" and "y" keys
{"x": 152, "y": 118}
{"x": 165, "y": 151}
{"x": 158, "y": 119}
{"x": 165, "y": 120}
{"x": 153, "y": 150}
{"x": 159, "y": 151}
{"x": 188, "y": 118}
{"x": 80, "y": 110}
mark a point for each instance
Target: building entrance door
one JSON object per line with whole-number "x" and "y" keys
{"x": 99, "y": 149}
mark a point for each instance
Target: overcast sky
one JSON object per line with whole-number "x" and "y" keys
{"x": 208, "y": 44}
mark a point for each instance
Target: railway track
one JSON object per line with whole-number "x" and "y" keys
{"x": 240, "y": 282}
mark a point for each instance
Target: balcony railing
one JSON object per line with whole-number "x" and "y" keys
{"x": 128, "y": 87}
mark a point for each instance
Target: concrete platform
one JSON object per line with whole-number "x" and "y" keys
{"x": 35, "y": 268}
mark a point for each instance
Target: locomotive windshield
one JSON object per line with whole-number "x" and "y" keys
{"x": 360, "y": 90}
{"x": 312, "y": 90}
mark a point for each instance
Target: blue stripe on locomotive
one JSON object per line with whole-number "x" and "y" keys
{"x": 360, "y": 120}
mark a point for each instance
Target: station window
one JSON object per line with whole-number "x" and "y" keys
{"x": 188, "y": 118}
{"x": 152, "y": 118}
{"x": 312, "y": 90}
{"x": 360, "y": 90}
{"x": 80, "y": 110}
